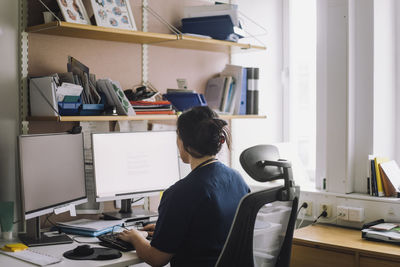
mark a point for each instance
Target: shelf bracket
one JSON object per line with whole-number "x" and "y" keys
{"x": 145, "y": 54}
{"x": 23, "y": 65}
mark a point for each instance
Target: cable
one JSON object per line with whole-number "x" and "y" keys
{"x": 304, "y": 205}
{"x": 323, "y": 214}
{"x": 134, "y": 201}
{"x": 301, "y": 222}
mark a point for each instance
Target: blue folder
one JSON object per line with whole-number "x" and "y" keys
{"x": 74, "y": 231}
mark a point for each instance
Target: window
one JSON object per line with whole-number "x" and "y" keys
{"x": 301, "y": 97}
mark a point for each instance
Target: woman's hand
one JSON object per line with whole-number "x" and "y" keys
{"x": 131, "y": 235}
{"x": 149, "y": 228}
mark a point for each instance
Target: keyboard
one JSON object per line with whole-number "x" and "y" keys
{"x": 112, "y": 241}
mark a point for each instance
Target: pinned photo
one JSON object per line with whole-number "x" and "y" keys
{"x": 114, "y": 14}
{"x": 73, "y": 11}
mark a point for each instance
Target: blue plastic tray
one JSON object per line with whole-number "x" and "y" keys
{"x": 69, "y": 109}
{"x": 91, "y": 109}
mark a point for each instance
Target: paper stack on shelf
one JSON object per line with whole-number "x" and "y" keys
{"x": 152, "y": 107}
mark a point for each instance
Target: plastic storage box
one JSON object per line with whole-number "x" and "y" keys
{"x": 217, "y": 27}
{"x": 91, "y": 109}
{"x": 68, "y": 108}
{"x": 184, "y": 101}
{"x": 79, "y": 109}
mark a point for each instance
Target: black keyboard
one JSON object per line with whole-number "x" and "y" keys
{"x": 112, "y": 241}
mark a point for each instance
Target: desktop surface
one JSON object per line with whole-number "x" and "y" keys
{"x": 128, "y": 258}
{"x": 327, "y": 245}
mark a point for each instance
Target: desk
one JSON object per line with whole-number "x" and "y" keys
{"x": 128, "y": 258}
{"x": 323, "y": 246}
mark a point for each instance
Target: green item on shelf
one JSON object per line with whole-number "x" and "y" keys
{"x": 71, "y": 98}
{"x": 6, "y": 216}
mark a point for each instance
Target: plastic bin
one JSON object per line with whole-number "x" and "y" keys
{"x": 69, "y": 109}
{"x": 91, "y": 109}
{"x": 184, "y": 101}
{"x": 217, "y": 27}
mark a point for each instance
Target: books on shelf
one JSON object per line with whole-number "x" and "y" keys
{"x": 227, "y": 93}
{"x": 384, "y": 177}
{"x": 391, "y": 174}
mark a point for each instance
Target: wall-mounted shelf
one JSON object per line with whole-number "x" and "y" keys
{"x": 132, "y": 118}
{"x": 61, "y": 28}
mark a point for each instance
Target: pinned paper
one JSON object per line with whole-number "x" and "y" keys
{"x": 70, "y": 208}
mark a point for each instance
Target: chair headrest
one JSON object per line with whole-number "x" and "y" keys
{"x": 262, "y": 163}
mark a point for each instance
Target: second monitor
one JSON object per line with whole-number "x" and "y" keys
{"x": 131, "y": 165}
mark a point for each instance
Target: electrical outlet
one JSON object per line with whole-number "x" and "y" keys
{"x": 342, "y": 213}
{"x": 308, "y": 210}
{"x": 356, "y": 214}
{"x": 327, "y": 208}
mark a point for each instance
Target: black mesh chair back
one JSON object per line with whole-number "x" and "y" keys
{"x": 262, "y": 230}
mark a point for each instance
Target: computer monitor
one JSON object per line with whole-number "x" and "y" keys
{"x": 52, "y": 176}
{"x": 135, "y": 164}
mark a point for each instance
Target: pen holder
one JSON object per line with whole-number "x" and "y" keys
{"x": 6, "y": 219}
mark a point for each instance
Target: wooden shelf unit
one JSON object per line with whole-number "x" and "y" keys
{"x": 68, "y": 29}
{"x": 132, "y": 118}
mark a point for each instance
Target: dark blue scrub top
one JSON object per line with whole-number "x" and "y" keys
{"x": 196, "y": 213}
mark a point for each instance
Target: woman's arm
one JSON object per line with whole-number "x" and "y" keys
{"x": 144, "y": 250}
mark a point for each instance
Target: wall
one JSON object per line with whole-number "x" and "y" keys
{"x": 9, "y": 114}
{"x": 122, "y": 61}
{"x": 249, "y": 132}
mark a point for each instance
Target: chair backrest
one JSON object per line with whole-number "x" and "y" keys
{"x": 262, "y": 231}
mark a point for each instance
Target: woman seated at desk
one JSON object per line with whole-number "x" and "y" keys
{"x": 196, "y": 213}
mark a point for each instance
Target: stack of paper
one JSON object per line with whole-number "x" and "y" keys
{"x": 88, "y": 227}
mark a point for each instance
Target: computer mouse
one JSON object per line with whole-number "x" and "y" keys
{"x": 83, "y": 250}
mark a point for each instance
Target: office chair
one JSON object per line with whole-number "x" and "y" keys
{"x": 262, "y": 230}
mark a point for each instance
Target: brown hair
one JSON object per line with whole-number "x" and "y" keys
{"x": 202, "y": 132}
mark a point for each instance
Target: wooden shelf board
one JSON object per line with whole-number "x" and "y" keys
{"x": 100, "y": 33}
{"x": 132, "y": 118}
{"x": 68, "y": 29}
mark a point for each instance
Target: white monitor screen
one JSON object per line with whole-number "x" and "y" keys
{"x": 52, "y": 172}
{"x": 134, "y": 163}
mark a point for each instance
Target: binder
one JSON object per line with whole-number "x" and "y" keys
{"x": 214, "y": 91}
{"x": 377, "y": 161}
{"x": 239, "y": 75}
{"x": 42, "y": 96}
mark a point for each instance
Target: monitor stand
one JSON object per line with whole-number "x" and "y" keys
{"x": 126, "y": 213}
{"x": 34, "y": 237}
